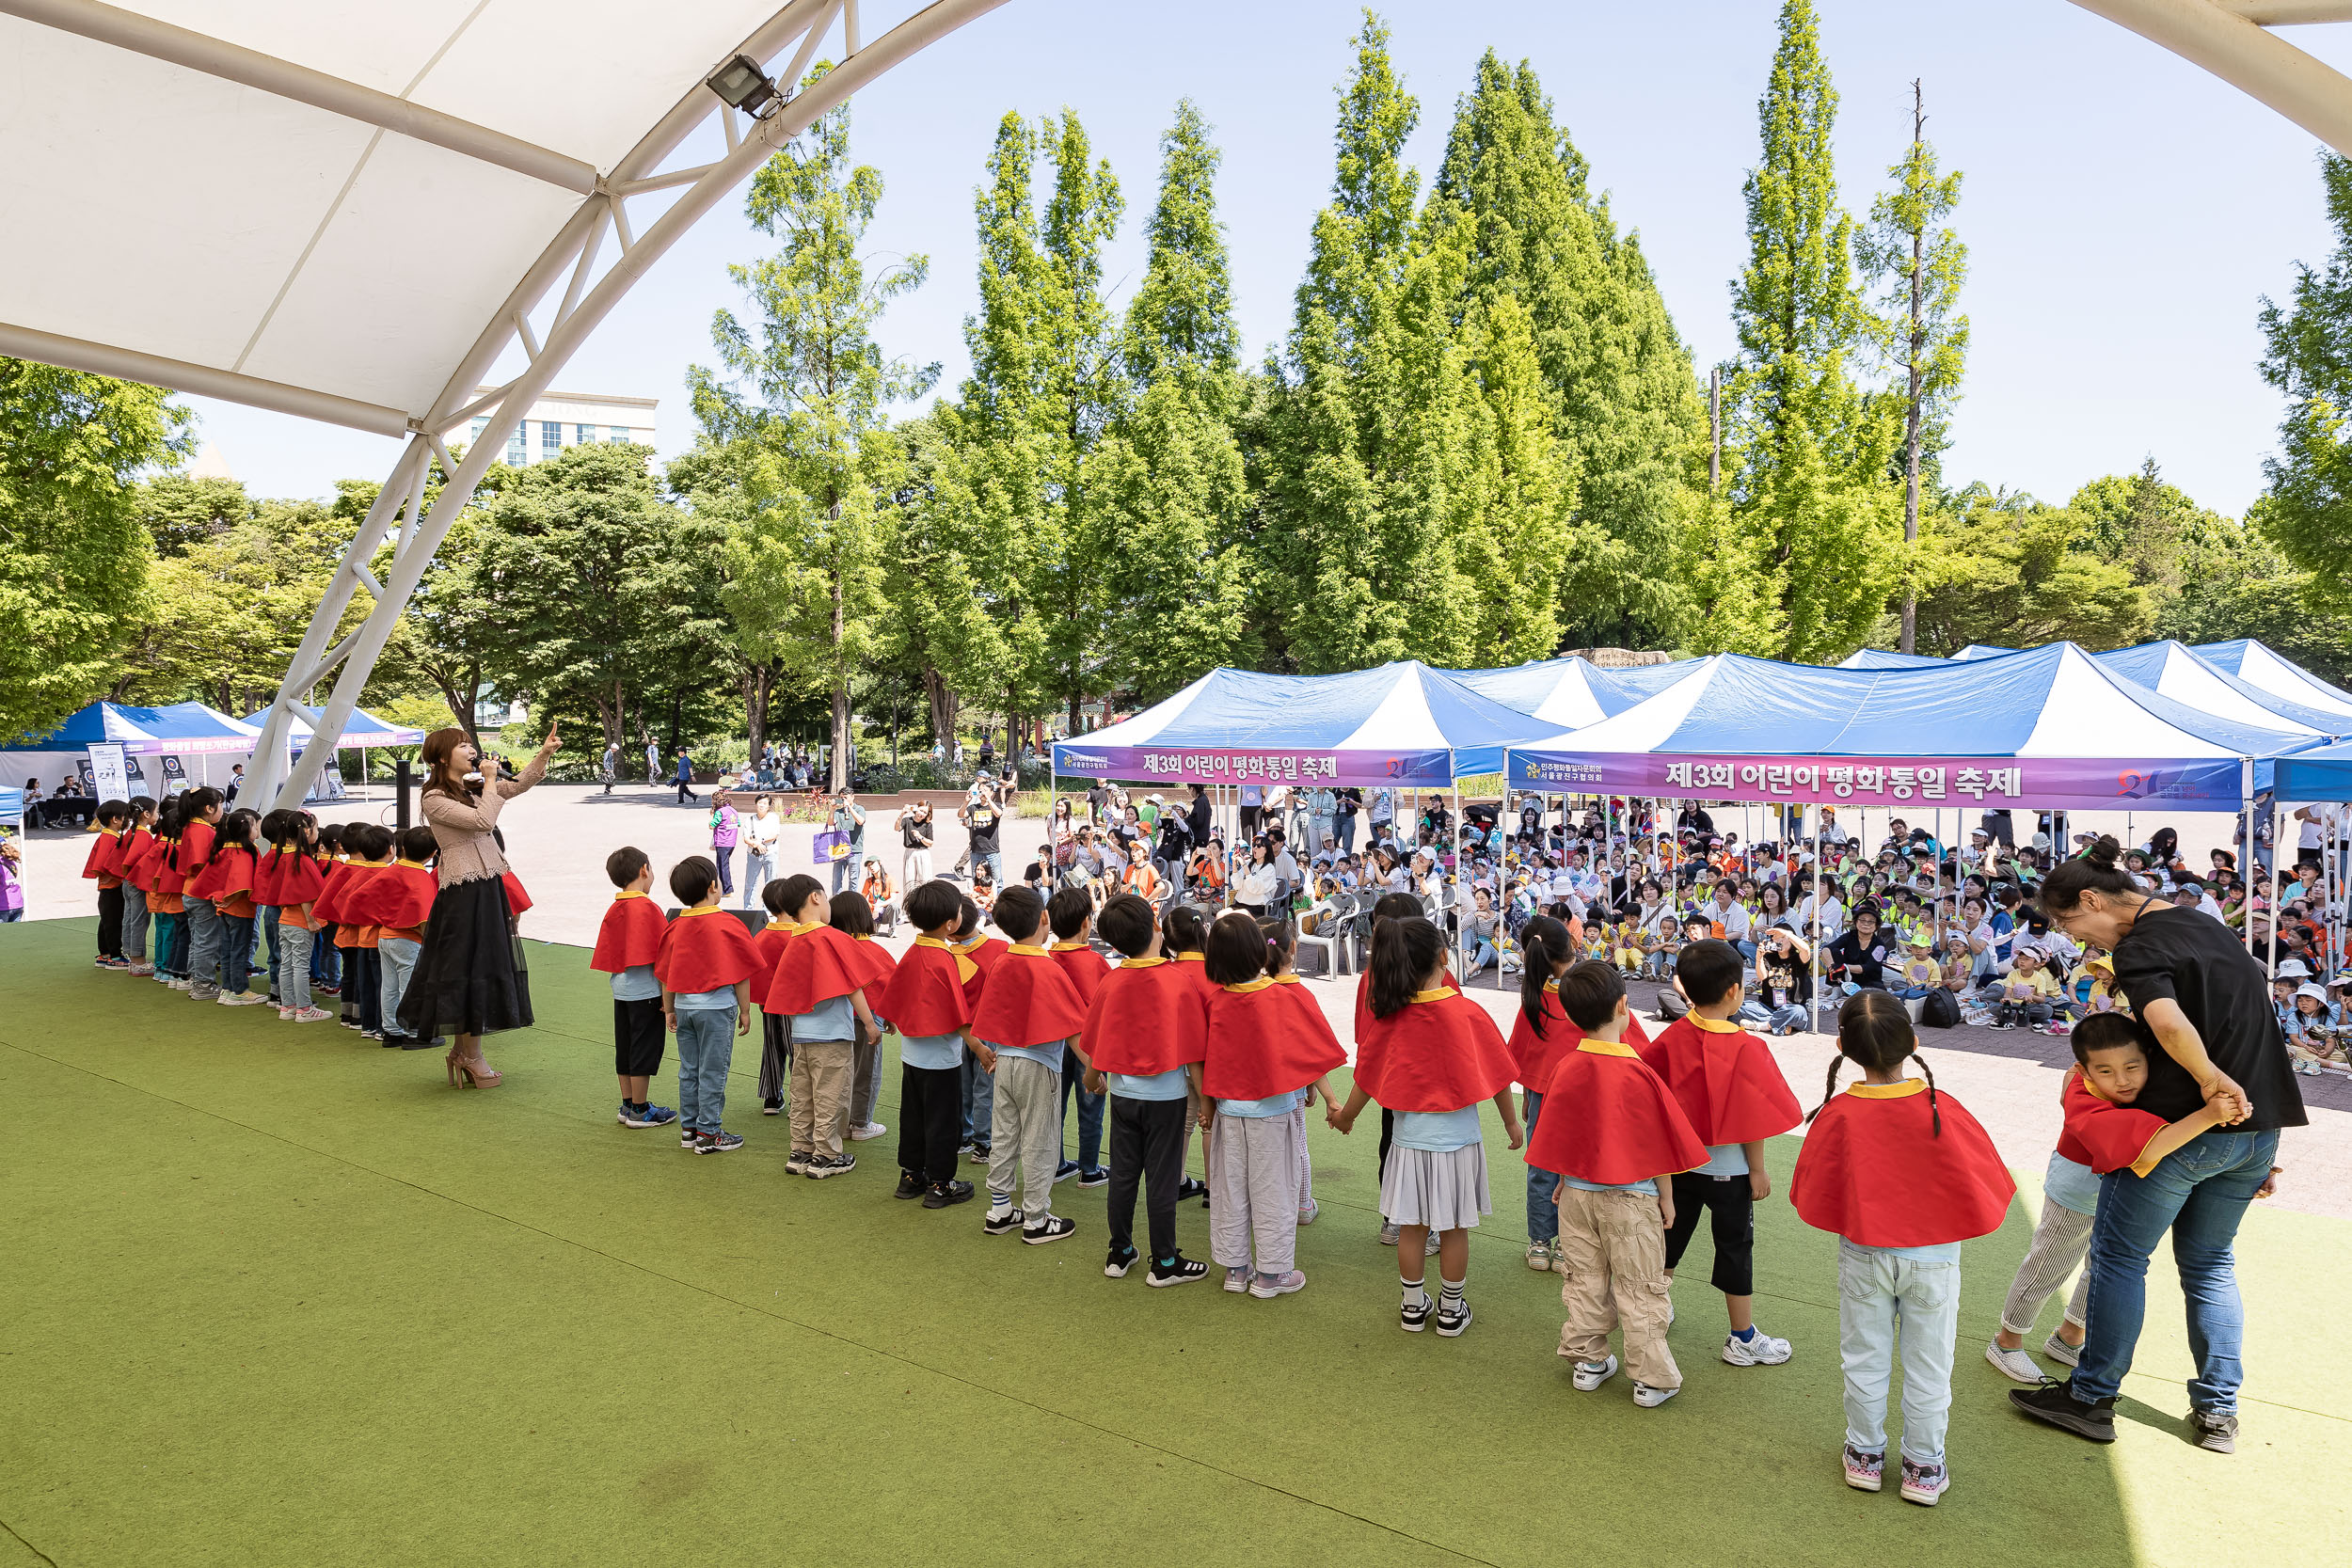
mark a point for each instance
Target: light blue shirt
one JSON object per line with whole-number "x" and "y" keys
{"x": 832, "y": 1019}
{"x": 1723, "y": 1160}
{"x": 1279, "y": 1106}
{"x": 932, "y": 1051}
{"x": 1942, "y": 1251}
{"x": 637, "y": 984}
{"x": 1159, "y": 1086}
{"x": 720, "y": 1000}
{"x": 2071, "y": 1185}
{"x": 1049, "y": 1054}
{"x": 1438, "y": 1131}
{"x": 1647, "y": 1189}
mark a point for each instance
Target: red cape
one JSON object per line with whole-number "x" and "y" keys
{"x": 167, "y": 878}
{"x": 1364, "y": 1000}
{"x": 196, "y": 846}
{"x": 875, "y": 963}
{"x": 342, "y": 882}
{"x": 705, "y": 950}
{"x": 926, "y": 997}
{"x": 983, "y": 955}
{"x": 139, "y": 860}
{"x": 1433, "y": 1057}
{"x": 1261, "y": 1045}
{"x": 1609, "y": 1118}
{"x": 1084, "y": 968}
{"x": 266, "y": 874}
{"x": 1027, "y": 1001}
{"x": 1144, "y": 1020}
{"x": 105, "y": 854}
{"x": 2101, "y": 1134}
{"x": 1726, "y": 1081}
{"x": 771, "y": 940}
{"x": 231, "y": 874}
{"x": 631, "y": 934}
{"x": 1873, "y": 1170}
{"x": 817, "y": 965}
{"x": 1536, "y": 1058}
{"x": 397, "y": 898}
{"x": 1194, "y": 972}
{"x": 296, "y": 880}
{"x": 517, "y": 899}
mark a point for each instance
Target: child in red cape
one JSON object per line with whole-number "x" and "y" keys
{"x": 1614, "y": 1134}
{"x": 1903, "y": 1176}
{"x": 1430, "y": 1056}
{"x": 1541, "y": 1035}
{"x": 628, "y": 940}
{"x": 925, "y": 1002}
{"x": 852, "y": 913}
{"x": 2102, "y": 1132}
{"x": 397, "y": 901}
{"x": 781, "y": 896}
{"x": 1390, "y": 906}
{"x": 1028, "y": 1015}
{"x": 979, "y": 1089}
{"x": 1069, "y": 915}
{"x": 1281, "y": 966}
{"x": 199, "y": 819}
{"x": 1728, "y": 1084}
{"x": 1146, "y": 1038}
{"x": 103, "y": 863}
{"x": 1184, "y": 937}
{"x": 228, "y": 881}
{"x": 136, "y": 857}
{"x": 818, "y": 988}
{"x": 370, "y": 847}
{"x": 1264, "y": 1050}
{"x": 705, "y": 965}
{"x": 295, "y": 882}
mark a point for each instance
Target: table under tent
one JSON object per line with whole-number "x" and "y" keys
{"x": 187, "y": 742}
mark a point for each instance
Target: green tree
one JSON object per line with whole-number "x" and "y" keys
{"x": 1813, "y": 454}
{"x": 2145, "y": 526}
{"x": 2236, "y": 582}
{"x": 2006, "y": 569}
{"x": 803, "y": 585}
{"x": 73, "y": 555}
{"x": 2308, "y": 357}
{"x": 1920, "y": 264}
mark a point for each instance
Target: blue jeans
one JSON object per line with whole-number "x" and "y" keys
{"x": 849, "y": 867}
{"x": 327, "y": 960}
{"x": 237, "y": 939}
{"x": 133, "y": 923}
{"x": 978, "y": 1101}
{"x": 1344, "y": 830}
{"x": 758, "y": 871}
{"x": 1543, "y": 1217}
{"x": 204, "y": 939}
{"x": 2198, "y": 1193}
{"x": 396, "y": 957}
{"x": 269, "y": 916}
{"x": 724, "y": 856}
{"x": 706, "y": 1049}
{"x": 1878, "y": 1291}
{"x": 293, "y": 943}
{"x": 1089, "y": 1110}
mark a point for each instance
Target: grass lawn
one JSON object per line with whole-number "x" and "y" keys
{"x": 275, "y": 1295}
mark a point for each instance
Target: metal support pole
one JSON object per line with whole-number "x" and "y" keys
{"x": 2277, "y": 869}
{"x": 403, "y": 782}
{"x": 2246, "y": 795}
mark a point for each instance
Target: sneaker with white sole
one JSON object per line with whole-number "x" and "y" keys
{"x": 1452, "y": 1320}
{"x": 822, "y": 1166}
{"x": 1237, "y": 1280}
{"x": 1056, "y": 1228}
{"x": 1121, "y": 1259}
{"x": 1864, "y": 1472}
{"x": 1001, "y": 1222}
{"x": 1925, "y": 1484}
{"x": 867, "y": 1133}
{"x": 285, "y": 1015}
{"x": 1413, "y": 1316}
{"x": 2060, "y": 1352}
{"x": 1179, "y": 1270}
{"x": 2015, "y": 1364}
{"x": 1388, "y": 1233}
{"x": 310, "y": 1015}
{"x": 796, "y": 1162}
{"x": 1539, "y": 1256}
{"x": 1306, "y": 1210}
{"x": 1649, "y": 1397}
{"x": 242, "y": 999}
{"x": 1590, "y": 1375}
{"x": 1266, "y": 1286}
{"x": 1760, "y": 1351}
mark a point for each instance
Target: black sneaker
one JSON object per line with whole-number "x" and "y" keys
{"x": 1054, "y": 1229}
{"x": 1413, "y": 1316}
{"x": 771, "y": 1107}
{"x": 1121, "y": 1259}
{"x": 979, "y": 1155}
{"x": 909, "y": 1186}
{"x": 1179, "y": 1270}
{"x": 1064, "y": 1171}
{"x": 1002, "y": 1224}
{"x": 717, "y": 1143}
{"x": 946, "y": 1194}
{"x": 1192, "y": 1186}
{"x": 1099, "y": 1177}
{"x": 2055, "y": 1403}
{"x": 2217, "y": 1430}
{"x": 820, "y": 1166}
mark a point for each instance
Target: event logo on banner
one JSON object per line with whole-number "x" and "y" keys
{"x": 2079, "y": 783}
{"x": 107, "y": 771}
{"x": 1222, "y": 765}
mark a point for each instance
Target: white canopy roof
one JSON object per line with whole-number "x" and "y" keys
{"x": 340, "y": 210}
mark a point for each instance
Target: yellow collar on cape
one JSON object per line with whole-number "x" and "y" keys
{"x": 1888, "y": 1091}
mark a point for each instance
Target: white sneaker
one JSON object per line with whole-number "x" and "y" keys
{"x": 1649, "y": 1397}
{"x": 870, "y": 1130}
{"x": 1762, "y": 1350}
{"x": 1539, "y": 1256}
{"x": 1267, "y": 1287}
{"x": 285, "y": 1015}
{"x": 242, "y": 999}
{"x": 2014, "y": 1365}
{"x": 1590, "y": 1375}
{"x": 2059, "y": 1351}
{"x": 310, "y": 1015}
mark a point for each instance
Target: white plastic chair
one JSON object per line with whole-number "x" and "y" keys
{"x": 1330, "y": 934}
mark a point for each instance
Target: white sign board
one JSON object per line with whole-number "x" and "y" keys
{"x": 110, "y": 775}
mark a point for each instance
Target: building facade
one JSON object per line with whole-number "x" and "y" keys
{"x": 561, "y": 419}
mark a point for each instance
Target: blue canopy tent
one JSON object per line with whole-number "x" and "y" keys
{"x": 2260, "y": 666}
{"x": 1882, "y": 658}
{"x": 1565, "y": 692}
{"x": 1639, "y": 681}
{"x": 363, "y": 729}
{"x": 179, "y": 731}
{"x": 2179, "y": 671}
{"x": 2320, "y": 773}
{"x": 1982, "y": 650}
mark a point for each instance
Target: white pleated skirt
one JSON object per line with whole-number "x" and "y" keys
{"x": 1443, "y": 1191}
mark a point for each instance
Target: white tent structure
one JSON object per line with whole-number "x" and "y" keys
{"x": 1570, "y": 692}
{"x": 391, "y": 199}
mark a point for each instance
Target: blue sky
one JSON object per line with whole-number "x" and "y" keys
{"x": 2125, "y": 212}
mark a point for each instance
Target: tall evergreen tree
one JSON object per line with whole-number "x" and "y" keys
{"x": 1920, "y": 264}
{"x": 1165, "y": 492}
{"x": 2308, "y": 357}
{"x": 1812, "y": 454}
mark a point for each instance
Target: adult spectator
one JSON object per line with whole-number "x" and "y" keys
{"x": 236, "y": 782}
{"x": 1861, "y": 954}
{"x": 611, "y": 765}
{"x": 881, "y": 897}
{"x": 1347, "y": 805}
{"x": 763, "y": 833}
{"x": 725, "y": 830}
{"x": 2208, "y": 1004}
{"x": 984, "y": 822}
{"x": 1259, "y": 884}
{"x": 685, "y": 777}
{"x": 1199, "y": 814}
{"x": 848, "y": 824}
{"x": 36, "y": 809}
{"x": 653, "y": 766}
{"x": 1098, "y": 797}
{"x": 467, "y": 983}
{"x": 1252, "y": 808}
{"x": 914, "y": 843}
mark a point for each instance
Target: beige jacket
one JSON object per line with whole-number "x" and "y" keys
{"x": 462, "y": 826}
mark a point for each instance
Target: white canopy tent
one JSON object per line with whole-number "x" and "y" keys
{"x": 392, "y": 198}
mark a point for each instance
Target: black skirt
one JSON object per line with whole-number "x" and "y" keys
{"x": 469, "y": 978}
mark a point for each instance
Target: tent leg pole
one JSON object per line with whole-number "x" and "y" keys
{"x": 2246, "y": 795}
{"x": 2277, "y": 869}
{"x": 1813, "y": 980}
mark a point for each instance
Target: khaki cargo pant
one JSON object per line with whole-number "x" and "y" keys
{"x": 1613, "y": 1253}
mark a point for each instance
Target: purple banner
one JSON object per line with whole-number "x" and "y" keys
{"x": 1222, "y": 765}
{"x": 2078, "y": 783}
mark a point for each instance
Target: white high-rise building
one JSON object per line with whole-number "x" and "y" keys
{"x": 561, "y": 419}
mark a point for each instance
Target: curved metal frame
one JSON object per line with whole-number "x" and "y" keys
{"x": 2227, "y": 38}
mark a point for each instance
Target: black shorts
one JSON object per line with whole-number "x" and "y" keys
{"x": 1731, "y": 1207}
{"x": 638, "y": 1036}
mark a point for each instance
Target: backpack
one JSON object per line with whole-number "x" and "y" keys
{"x": 1939, "y": 1010}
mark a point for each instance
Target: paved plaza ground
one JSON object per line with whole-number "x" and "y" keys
{"x": 276, "y": 1295}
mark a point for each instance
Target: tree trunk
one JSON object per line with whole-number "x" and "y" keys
{"x": 840, "y": 769}
{"x": 759, "y": 683}
{"x": 940, "y": 699}
{"x": 1910, "y": 643}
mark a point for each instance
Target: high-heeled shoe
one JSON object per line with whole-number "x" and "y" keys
{"x": 471, "y": 1072}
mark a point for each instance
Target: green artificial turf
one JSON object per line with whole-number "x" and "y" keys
{"x": 275, "y": 1295}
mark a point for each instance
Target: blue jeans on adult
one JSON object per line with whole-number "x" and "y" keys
{"x": 204, "y": 943}
{"x": 1543, "y": 1216}
{"x": 706, "y": 1049}
{"x": 847, "y": 870}
{"x": 758, "y": 871}
{"x": 1344, "y": 830}
{"x": 2199, "y": 1193}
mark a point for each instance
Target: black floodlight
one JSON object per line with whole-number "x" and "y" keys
{"x": 743, "y": 85}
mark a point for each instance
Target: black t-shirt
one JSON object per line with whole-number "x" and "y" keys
{"x": 1863, "y": 965}
{"x": 2191, "y": 957}
{"x": 984, "y": 821}
{"x": 914, "y": 832}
